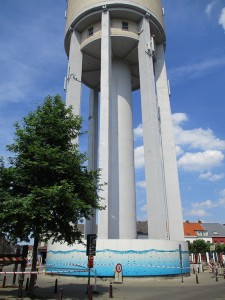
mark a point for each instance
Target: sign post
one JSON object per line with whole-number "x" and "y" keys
{"x": 91, "y": 244}
{"x": 118, "y": 273}
{"x": 90, "y": 252}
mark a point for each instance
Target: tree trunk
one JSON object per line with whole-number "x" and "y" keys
{"x": 33, "y": 277}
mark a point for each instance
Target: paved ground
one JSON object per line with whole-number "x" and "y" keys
{"x": 131, "y": 288}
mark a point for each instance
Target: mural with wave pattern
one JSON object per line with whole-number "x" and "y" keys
{"x": 148, "y": 262}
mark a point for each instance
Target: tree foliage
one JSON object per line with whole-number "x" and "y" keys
{"x": 220, "y": 248}
{"x": 200, "y": 246}
{"x": 47, "y": 189}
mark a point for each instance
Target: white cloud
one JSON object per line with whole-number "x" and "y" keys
{"x": 138, "y": 132}
{"x": 179, "y": 151}
{"x": 179, "y": 118}
{"x": 141, "y": 184}
{"x": 210, "y": 6}
{"x": 200, "y": 209}
{"x": 216, "y": 177}
{"x": 211, "y": 177}
{"x": 204, "y": 204}
{"x": 144, "y": 208}
{"x": 222, "y": 18}
{"x": 198, "y": 213}
{"x": 197, "y": 138}
{"x": 139, "y": 156}
{"x": 201, "y": 161}
{"x": 201, "y": 139}
{"x": 198, "y": 69}
{"x": 206, "y": 175}
{"x": 222, "y": 202}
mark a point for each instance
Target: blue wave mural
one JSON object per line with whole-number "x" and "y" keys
{"x": 151, "y": 262}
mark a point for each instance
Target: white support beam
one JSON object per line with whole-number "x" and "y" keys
{"x": 122, "y": 207}
{"x": 104, "y": 123}
{"x": 154, "y": 175}
{"x": 175, "y": 219}
{"x": 74, "y": 86}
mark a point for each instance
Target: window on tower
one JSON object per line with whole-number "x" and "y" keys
{"x": 124, "y": 25}
{"x": 90, "y": 31}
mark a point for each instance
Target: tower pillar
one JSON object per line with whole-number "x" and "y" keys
{"x": 74, "y": 86}
{"x": 104, "y": 136}
{"x": 155, "y": 189}
{"x": 175, "y": 222}
{"x": 122, "y": 207}
{"x": 116, "y": 153}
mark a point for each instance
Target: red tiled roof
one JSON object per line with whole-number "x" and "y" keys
{"x": 191, "y": 228}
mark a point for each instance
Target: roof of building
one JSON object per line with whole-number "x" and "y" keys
{"x": 214, "y": 229}
{"x": 191, "y": 228}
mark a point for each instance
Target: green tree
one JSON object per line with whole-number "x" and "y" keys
{"x": 190, "y": 247}
{"x": 199, "y": 246}
{"x": 219, "y": 248}
{"x": 208, "y": 245}
{"x": 46, "y": 189}
{"x": 223, "y": 248}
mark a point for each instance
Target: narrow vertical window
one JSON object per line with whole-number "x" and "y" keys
{"x": 124, "y": 25}
{"x": 90, "y": 31}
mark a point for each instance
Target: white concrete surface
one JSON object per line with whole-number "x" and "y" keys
{"x": 122, "y": 207}
{"x": 104, "y": 123}
{"x": 115, "y": 61}
{"x": 73, "y": 89}
{"x": 155, "y": 192}
{"x": 175, "y": 220}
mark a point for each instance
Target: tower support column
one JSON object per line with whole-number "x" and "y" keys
{"x": 175, "y": 221}
{"x": 90, "y": 225}
{"x": 155, "y": 190}
{"x": 73, "y": 95}
{"x": 122, "y": 205}
{"x": 104, "y": 123}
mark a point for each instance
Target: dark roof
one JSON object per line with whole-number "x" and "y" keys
{"x": 214, "y": 229}
{"x": 142, "y": 227}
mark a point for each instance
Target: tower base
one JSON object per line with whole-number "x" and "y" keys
{"x": 138, "y": 257}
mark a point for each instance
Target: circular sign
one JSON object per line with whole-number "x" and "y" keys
{"x": 118, "y": 268}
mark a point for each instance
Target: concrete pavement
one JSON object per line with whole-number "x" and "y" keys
{"x": 74, "y": 288}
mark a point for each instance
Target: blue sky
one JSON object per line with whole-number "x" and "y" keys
{"x": 33, "y": 65}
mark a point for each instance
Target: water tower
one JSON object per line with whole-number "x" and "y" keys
{"x": 114, "y": 48}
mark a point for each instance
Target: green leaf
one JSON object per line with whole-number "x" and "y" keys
{"x": 46, "y": 189}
